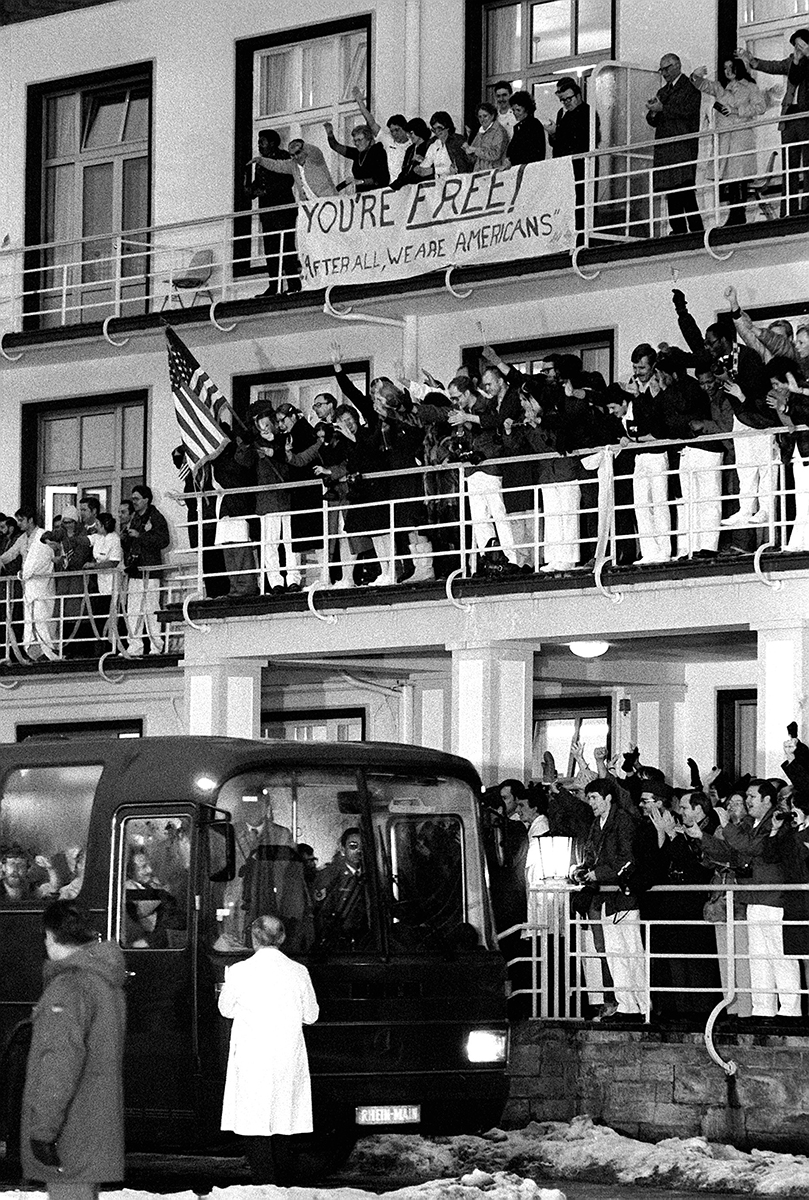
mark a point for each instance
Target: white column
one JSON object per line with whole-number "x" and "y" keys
{"x": 492, "y": 708}
{"x": 412, "y": 53}
{"x": 783, "y": 690}
{"x": 224, "y": 698}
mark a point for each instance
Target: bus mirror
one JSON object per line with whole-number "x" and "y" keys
{"x": 221, "y": 852}
{"x": 349, "y": 803}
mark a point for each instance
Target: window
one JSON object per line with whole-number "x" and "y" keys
{"x": 315, "y": 725}
{"x": 594, "y": 349}
{"x": 272, "y": 812}
{"x": 44, "y": 820}
{"x": 293, "y": 82}
{"x": 90, "y": 190}
{"x": 317, "y": 849}
{"x": 557, "y": 726}
{"x": 80, "y": 731}
{"x": 736, "y": 722}
{"x": 295, "y": 387}
{"x": 154, "y": 898}
{"x": 532, "y": 43}
{"x": 96, "y": 447}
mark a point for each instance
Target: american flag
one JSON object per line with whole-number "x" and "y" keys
{"x": 198, "y": 404}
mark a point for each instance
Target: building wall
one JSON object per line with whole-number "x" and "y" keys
{"x": 653, "y": 1086}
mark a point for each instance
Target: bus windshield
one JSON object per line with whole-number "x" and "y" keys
{"x": 347, "y": 861}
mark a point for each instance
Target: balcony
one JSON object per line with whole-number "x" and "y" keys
{"x": 427, "y": 544}
{"x": 214, "y": 269}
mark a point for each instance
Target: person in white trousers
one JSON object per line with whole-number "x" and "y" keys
{"x": 789, "y": 398}
{"x": 764, "y": 843}
{"x": 475, "y": 421}
{"x": 38, "y": 592}
{"x": 609, "y": 849}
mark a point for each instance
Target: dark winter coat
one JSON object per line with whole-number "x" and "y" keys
{"x": 74, "y": 1084}
{"x": 146, "y": 550}
{"x": 608, "y": 850}
{"x": 681, "y": 112}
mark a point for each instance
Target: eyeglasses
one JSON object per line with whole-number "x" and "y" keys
{"x": 566, "y": 99}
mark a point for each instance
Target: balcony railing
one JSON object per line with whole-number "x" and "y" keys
{"x": 220, "y": 258}
{"x": 445, "y": 523}
{"x": 62, "y": 616}
{"x": 459, "y": 521}
{"x": 558, "y": 963}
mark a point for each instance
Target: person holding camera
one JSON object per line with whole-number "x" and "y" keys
{"x": 609, "y": 858}
{"x": 474, "y": 422}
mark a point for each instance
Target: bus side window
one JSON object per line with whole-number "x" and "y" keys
{"x": 44, "y": 820}
{"x": 155, "y": 889}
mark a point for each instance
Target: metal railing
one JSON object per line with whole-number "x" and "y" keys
{"x": 222, "y": 257}
{"x": 564, "y": 969}
{"x": 441, "y": 527}
{"x": 632, "y": 505}
{"x": 60, "y": 615}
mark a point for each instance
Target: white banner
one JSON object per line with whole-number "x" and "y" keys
{"x": 488, "y": 216}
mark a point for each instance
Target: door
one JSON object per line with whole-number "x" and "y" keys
{"x": 153, "y": 918}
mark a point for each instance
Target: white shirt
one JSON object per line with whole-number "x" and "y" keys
{"x": 438, "y": 158}
{"x": 395, "y": 152}
{"x": 106, "y": 549}
{"x": 508, "y": 120}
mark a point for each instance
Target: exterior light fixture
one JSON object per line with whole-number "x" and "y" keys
{"x": 205, "y": 784}
{"x": 588, "y": 649}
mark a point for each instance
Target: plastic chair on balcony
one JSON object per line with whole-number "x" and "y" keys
{"x": 192, "y": 280}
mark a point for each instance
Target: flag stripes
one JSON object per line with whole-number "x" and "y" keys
{"x": 198, "y": 403}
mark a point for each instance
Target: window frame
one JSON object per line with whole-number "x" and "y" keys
{"x": 33, "y": 480}
{"x": 471, "y": 356}
{"x": 241, "y": 385}
{"x": 315, "y": 716}
{"x": 531, "y": 73}
{"x": 550, "y": 709}
{"x": 244, "y": 124}
{"x": 131, "y": 77}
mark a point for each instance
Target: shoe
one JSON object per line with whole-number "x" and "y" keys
{"x": 278, "y": 589}
{"x": 527, "y": 569}
{"x": 760, "y": 518}
{"x": 733, "y": 552}
{"x": 651, "y": 562}
{"x": 606, "y": 1011}
{"x": 737, "y": 518}
{"x": 294, "y": 587}
{"x": 566, "y": 566}
{"x": 706, "y": 554}
{"x": 342, "y": 583}
{"x": 383, "y": 580}
{"x": 293, "y": 285}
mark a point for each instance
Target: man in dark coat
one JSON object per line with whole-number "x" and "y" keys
{"x": 570, "y": 134}
{"x": 143, "y": 542}
{"x": 674, "y": 112}
{"x": 609, "y": 853}
{"x": 73, "y": 1102}
{"x": 302, "y": 449}
{"x": 277, "y": 212}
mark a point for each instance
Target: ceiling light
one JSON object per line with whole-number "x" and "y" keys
{"x": 205, "y": 784}
{"x": 588, "y": 649}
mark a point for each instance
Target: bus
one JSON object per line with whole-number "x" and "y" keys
{"x": 372, "y": 855}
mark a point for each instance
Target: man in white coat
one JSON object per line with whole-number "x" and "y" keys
{"x": 268, "y": 1096}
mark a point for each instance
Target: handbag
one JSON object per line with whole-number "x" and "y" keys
{"x": 715, "y": 909}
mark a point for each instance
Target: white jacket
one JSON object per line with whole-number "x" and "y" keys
{"x": 267, "y": 1089}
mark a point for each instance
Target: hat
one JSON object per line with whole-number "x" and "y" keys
{"x": 71, "y": 513}
{"x": 286, "y": 410}
{"x": 262, "y": 408}
{"x": 615, "y": 394}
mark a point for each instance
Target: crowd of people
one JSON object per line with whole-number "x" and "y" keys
{"x": 507, "y": 132}
{"x": 71, "y": 582}
{"x": 695, "y": 468}
{"x": 496, "y": 471}
{"x": 403, "y": 153}
{"x": 633, "y": 833}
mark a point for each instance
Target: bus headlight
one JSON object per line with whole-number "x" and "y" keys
{"x": 486, "y": 1045}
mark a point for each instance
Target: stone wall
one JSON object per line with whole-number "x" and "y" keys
{"x": 653, "y": 1084}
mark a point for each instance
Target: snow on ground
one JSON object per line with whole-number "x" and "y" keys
{"x": 512, "y": 1165}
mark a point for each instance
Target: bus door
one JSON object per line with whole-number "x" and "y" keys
{"x": 153, "y": 918}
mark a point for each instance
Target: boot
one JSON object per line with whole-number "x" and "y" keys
{"x": 420, "y": 548}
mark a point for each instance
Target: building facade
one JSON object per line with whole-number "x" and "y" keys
{"x": 127, "y": 129}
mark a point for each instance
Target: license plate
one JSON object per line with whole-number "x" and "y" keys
{"x": 388, "y": 1114}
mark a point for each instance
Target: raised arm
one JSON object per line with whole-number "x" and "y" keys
{"x": 365, "y": 112}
